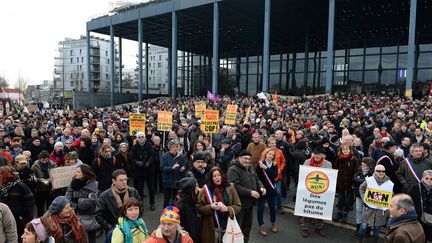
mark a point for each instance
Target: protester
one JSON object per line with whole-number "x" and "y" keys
{"x": 249, "y": 188}
{"x": 43, "y": 184}
{"x": 104, "y": 166}
{"x": 374, "y": 216}
{"x": 199, "y": 169}
{"x": 35, "y": 232}
{"x": 217, "y": 201}
{"x": 111, "y": 200}
{"x": 422, "y": 198}
{"x": 169, "y": 229}
{"x": 141, "y": 155}
{"x": 317, "y": 160}
{"x": 131, "y": 227}
{"x": 61, "y": 222}
{"x": 8, "y": 228}
{"x": 82, "y": 196}
{"x": 173, "y": 164}
{"x": 186, "y": 202}
{"x": 403, "y": 223}
{"x": 26, "y": 175}
{"x": 267, "y": 171}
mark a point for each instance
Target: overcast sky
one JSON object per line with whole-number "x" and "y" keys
{"x": 30, "y": 32}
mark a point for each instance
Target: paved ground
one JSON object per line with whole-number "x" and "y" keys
{"x": 287, "y": 224}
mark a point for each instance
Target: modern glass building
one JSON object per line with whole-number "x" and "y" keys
{"x": 295, "y": 47}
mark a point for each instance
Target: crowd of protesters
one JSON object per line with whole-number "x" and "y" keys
{"x": 208, "y": 178}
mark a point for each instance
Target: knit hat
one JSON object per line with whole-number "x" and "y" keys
{"x": 170, "y": 214}
{"x": 57, "y": 205}
{"x": 187, "y": 182}
{"x": 72, "y": 155}
{"x": 41, "y": 233}
{"x": 244, "y": 153}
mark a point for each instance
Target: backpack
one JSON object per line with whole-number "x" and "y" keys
{"x": 114, "y": 161}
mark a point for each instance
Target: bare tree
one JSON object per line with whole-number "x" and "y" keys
{"x": 3, "y": 83}
{"x": 22, "y": 83}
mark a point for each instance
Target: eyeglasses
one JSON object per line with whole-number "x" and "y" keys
{"x": 380, "y": 171}
{"x": 140, "y": 137}
{"x": 427, "y": 178}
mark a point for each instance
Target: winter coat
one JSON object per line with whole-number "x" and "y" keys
{"x": 391, "y": 166}
{"x": 86, "y": 155}
{"x": 207, "y": 219}
{"x": 405, "y": 176}
{"x": 79, "y": 198}
{"x": 372, "y": 216}
{"x": 255, "y": 150}
{"x": 35, "y": 151}
{"x": 224, "y": 159}
{"x": 245, "y": 180}
{"x": 58, "y": 158}
{"x": 103, "y": 168}
{"x": 157, "y": 237}
{"x": 125, "y": 163}
{"x": 426, "y": 196}
{"x": 346, "y": 169}
{"x": 107, "y": 211}
{"x": 8, "y": 229}
{"x": 142, "y": 159}
{"x": 170, "y": 175}
{"x": 27, "y": 176}
{"x": 40, "y": 174}
{"x": 358, "y": 179}
{"x": 272, "y": 173}
{"x": 201, "y": 178}
{"x": 405, "y": 231}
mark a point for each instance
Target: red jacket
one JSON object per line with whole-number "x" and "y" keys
{"x": 58, "y": 160}
{"x": 157, "y": 237}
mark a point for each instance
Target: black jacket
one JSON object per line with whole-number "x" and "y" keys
{"x": 170, "y": 176}
{"x": 107, "y": 212}
{"x": 103, "y": 168}
{"x": 142, "y": 158}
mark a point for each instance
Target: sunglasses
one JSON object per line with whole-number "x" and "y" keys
{"x": 380, "y": 171}
{"x": 427, "y": 178}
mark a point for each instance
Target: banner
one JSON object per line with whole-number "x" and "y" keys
{"x": 62, "y": 176}
{"x": 231, "y": 114}
{"x": 164, "y": 122}
{"x": 379, "y": 199}
{"x": 200, "y": 107}
{"x": 315, "y": 192}
{"x": 210, "y": 121}
{"x": 137, "y": 123}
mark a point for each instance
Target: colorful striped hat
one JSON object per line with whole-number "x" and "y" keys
{"x": 171, "y": 214}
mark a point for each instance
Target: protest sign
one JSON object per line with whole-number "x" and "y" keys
{"x": 62, "y": 176}
{"x": 378, "y": 196}
{"x": 210, "y": 121}
{"x": 137, "y": 123}
{"x": 315, "y": 192}
{"x": 164, "y": 121}
{"x": 246, "y": 118}
{"x": 200, "y": 107}
{"x": 231, "y": 114}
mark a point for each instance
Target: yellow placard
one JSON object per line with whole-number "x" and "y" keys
{"x": 164, "y": 121}
{"x": 200, "y": 107}
{"x": 408, "y": 93}
{"x": 377, "y": 197}
{"x": 210, "y": 121}
{"x": 231, "y": 114}
{"x": 137, "y": 123}
{"x": 246, "y": 119}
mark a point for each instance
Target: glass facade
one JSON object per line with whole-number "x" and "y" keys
{"x": 371, "y": 69}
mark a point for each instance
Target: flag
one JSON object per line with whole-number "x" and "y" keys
{"x": 210, "y": 96}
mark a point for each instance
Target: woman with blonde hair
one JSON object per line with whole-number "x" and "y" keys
{"x": 267, "y": 171}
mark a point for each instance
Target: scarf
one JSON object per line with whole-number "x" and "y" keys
{"x": 126, "y": 226}
{"x": 4, "y": 190}
{"x": 365, "y": 171}
{"x": 116, "y": 193}
{"x": 348, "y": 156}
{"x": 313, "y": 163}
{"x": 218, "y": 193}
{"x": 409, "y": 216}
{"x": 79, "y": 233}
{"x": 77, "y": 184}
{"x": 106, "y": 156}
{"x": 45, "y": 168}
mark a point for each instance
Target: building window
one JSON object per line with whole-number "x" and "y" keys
{"x": 71, "y": 52}
{"x": 82, "y": 59}
{"x": 71, "y": 60}
{"x": 159, "y": 64}
{"x": 80, "y": 51}
{"x": 160, "y": 57}
{"x": 107, "y": 76}
{"x": 77, "y": 59}
{"x": 71, "y": 75}
{"x": 106, "y": 53}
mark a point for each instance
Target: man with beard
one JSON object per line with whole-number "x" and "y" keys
{"x": 411, "y": 169}
{"x": 199, "y": 169}
{"x": 255, "y": 148}
{"x": 405, "y": 145}
{"x": 248, "y": 187}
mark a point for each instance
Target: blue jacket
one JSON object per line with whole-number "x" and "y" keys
{"x": 170, "y": 176}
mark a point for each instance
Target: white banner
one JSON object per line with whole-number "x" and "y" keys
{"x": 315, "y": 192}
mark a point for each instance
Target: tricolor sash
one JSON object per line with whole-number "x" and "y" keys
{"x": 209, "y": 196}
{"x": 411, "y": 169}
{"x": 268, "y": 180}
